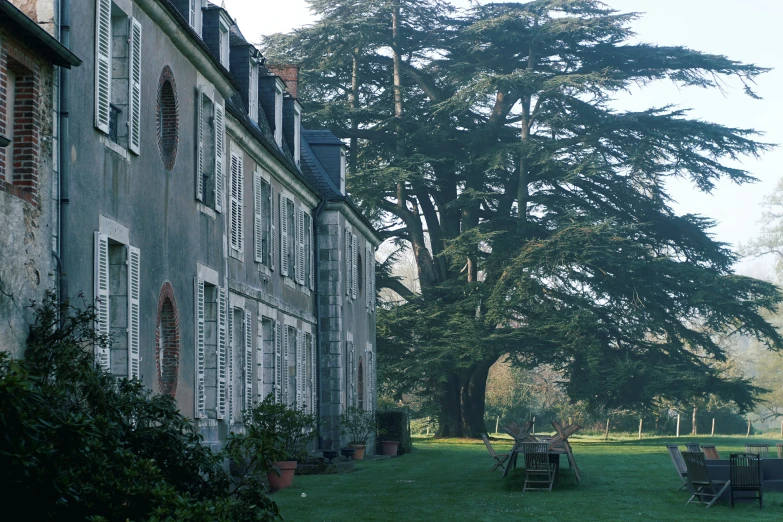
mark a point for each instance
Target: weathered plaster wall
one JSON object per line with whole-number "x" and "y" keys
{"x": 27, "y": 267}
{"x": 42, "y": 11}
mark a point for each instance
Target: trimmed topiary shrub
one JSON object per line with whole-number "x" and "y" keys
{"x": 393, "y": 425}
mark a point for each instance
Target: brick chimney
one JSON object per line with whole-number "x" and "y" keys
{"x": 290, "y": 75}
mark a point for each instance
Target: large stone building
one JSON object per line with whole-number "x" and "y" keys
{"x": 214, "y": 233}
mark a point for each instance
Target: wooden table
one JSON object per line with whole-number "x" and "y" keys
{"x": 558, "y": 445}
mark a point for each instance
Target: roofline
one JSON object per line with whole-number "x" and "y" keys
{"x": 60, "y": 55}
{"x": 354, "y": 216}
{"x": 244, "y": 120}
{"x": 171, "y": 21}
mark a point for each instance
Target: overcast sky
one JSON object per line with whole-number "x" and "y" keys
{"x": 744, "y": 30}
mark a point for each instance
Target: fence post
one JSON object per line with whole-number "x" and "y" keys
{"x": 606, "y": 435}
{"x": 748, "y": 435}
{"x": 533, "y": 429}
{"x": 496, "y": 425}
{"x": 713, "y": 427}
{"x": 640, "y": 428}
{"x": 678, "y": 425}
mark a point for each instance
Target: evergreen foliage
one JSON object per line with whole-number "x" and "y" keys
{"x": 79, "y": 444}
{"x": 486, "y": 141}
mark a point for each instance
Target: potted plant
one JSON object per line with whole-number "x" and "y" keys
{"x": 389, "y": 447}
{"x": 290, "y": 429}
{"x": 357, "y": 424}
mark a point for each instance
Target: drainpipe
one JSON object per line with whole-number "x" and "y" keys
{"x": 64, "y": 159}
{"x": 316, "y": 214}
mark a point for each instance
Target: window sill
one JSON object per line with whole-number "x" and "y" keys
{"x": 114, "y": 147}
{"x": 264, "y": 271}
{"x": 206, "y": 210}
{"x": 305, "y": 290}
{"x": 236, "y": 254}
{"x": 289, "y": 282}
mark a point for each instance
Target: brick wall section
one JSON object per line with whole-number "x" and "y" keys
{"x": 167, "y": 341}
{"x": 19, "y": 175}
{"x": 290, "y": 75}
{"x": 167, "y": 112}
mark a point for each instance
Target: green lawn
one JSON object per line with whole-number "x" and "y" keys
{"x": 450, "y": 480}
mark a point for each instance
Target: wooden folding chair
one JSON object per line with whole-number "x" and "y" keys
{"x": 539, "y": 471}
{"x": 710, "y": 453}
{"x": 745, "y": 474}
{"x": 679, "y": 464}
{"x": 762, "y": 450}
{"x": 704, "y": 489}
{"x": 560, "y": 444}
{"x": 693, "y": 447}
{"x": 500, "y": 458}
{"x": 780, "y": 450}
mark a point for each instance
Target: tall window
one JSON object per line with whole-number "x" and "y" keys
{"x": 210, "y": 132}
{"x": 236, "y": 222}
{"x": 263, "y": 199}
{"x": 297, "y": 132}
{"x": 211, "y": 351}
{"x": 291, "y": 239}
{"x": 117, "y": 293}
{"x": 223, "y": 43}
{"x": 253, "y": 92}
{"x": 118, "y": 75}
{"x": 343, "y": 163}
{"x": 278, "y": 114}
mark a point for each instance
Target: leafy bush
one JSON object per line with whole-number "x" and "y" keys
{"x": 285, "y": 430}
{"x": 357, "y": 424}
{"x": 393, "y": 425}
{"x": 77, "y": 443}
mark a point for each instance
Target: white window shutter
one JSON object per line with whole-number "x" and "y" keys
{"x": 102, "y": 64}
{"x": 272, "y": 227}
{"x": 278, "y": 363}
{"x": 134, "y": 74}
{"x": 313, "y": 375}
{"x": 286, "y": 370}
{"x": 313, "y": 248}
{"x": 201, "y": 409}
{"x": 367, "y": 289}
{"x": 299, "y": 367}
{"x": 248, "y": 360}
{"x": 354, "y": 256}
{"x": 134, "y": 290}
{"x": 301, "y": 235}
{"x": 373, "y": 297}
{"x": 222, "y": 384}
{"x": 219, "y": 130}
{"x": 235, "y": 205}
{"x": 257, "y": 221}
{"x": 347, "y": 262}
{"x": 370, "y": 379}
{"x": 200, "y": 144}
{"x": 230, "y": 366}
{"x": 283, "y": 235}
{"x": 101, "y": 296}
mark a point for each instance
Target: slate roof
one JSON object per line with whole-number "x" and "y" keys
{"x": 315, "y": 172}
{"x": 322, "y": 137}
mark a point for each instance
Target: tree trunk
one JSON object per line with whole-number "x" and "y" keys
{"x": 694, "y": 427}
{"x": 354, "y": 108}
{"x": 462, "y": 402}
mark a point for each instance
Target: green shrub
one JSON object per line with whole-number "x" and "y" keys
{"x": 77, "y": 443}
{"x": 393, "y": 425}
{"x": 285, "y": 430}
{"x": 357, "y": 424}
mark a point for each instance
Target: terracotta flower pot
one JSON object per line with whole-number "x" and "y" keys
{"x": 359, "y": 453}
{"x": 389, "y": 447}
{"x": 286, "y": 476}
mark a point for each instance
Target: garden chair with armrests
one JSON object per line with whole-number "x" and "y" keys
{"x": 704, "y": 489}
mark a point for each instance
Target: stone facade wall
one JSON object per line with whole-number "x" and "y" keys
{"x": 27, "y": 266}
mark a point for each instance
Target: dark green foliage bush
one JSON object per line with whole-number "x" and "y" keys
{"x": 393, "y": 425}
{"x": 79, "y": 444}
{"x": 357, "y": 424}
{"x": 285, "y": 430}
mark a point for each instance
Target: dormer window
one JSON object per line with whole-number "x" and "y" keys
{"x": 279, "y": 113}
{"x": 192, "y": 11}
{"x": 297, "y": 133}
{"x": 253, "y": 88}
{"x": 343, "y": 163}
{"x": 224, "y": 43}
